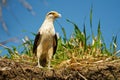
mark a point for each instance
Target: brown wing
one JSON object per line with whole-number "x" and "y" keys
{"x": 36, "y": 42}
{"x": 54, "y": 44}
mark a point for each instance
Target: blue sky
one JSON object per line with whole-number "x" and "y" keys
{"x": 21, "y": 22}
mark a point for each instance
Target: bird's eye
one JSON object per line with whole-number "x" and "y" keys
{"x": 50, "y": 13}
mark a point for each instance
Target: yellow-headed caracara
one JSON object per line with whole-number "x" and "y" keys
{"x": 45, "y": 43}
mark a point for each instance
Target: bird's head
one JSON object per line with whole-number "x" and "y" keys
{"x": 53, "y": 15}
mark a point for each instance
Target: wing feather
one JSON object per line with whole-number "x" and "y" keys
{"x": 36, "y": 42}
{"x": 54, "y": 44}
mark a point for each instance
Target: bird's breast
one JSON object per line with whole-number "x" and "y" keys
{"x": 47, "y": 32}
{"x": 46, "y": 42}
{"x": 47, "y": 28}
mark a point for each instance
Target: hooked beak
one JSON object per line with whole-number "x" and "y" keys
{"x": 59, "y": 15}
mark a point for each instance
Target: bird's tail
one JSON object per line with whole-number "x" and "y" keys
{"x": 43, "y": 62}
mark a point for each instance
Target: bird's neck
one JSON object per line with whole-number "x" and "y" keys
{"x": 48, "y": 26}
{"x": 49, "y": 20}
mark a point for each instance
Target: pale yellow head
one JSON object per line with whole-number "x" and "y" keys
{"x": 53, "y": 15}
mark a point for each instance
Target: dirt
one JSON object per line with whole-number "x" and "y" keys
{"x": 99, "y": 70}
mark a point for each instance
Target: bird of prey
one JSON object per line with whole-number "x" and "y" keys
{"x": 45, "y": 43}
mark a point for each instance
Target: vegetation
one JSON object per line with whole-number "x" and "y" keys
{"x": 77, "y": 48}
{"x": 85, "y": 56}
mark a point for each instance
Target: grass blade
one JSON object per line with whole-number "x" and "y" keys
{"x": 85, "y": 39}
{"x": 64, "y": 33}
{"x": 77, "y": 30}
{"x": 91, "y": 13}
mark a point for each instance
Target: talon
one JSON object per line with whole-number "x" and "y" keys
{"x": 39, "y": 66}
{"x": 50, "y": 68}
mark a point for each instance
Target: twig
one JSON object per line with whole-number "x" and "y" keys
{"x": 82, "y": 76}
{"x": 4, "y": 46}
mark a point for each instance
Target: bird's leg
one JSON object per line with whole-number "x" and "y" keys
{"x": 39, "y": 63}
{"x": 50, "y": 54}
{"x": 49, "y": 64}
{"x": 39, "y": 52}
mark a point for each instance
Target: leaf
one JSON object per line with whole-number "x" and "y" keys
{"x": 33, "y": 33}
{"x": 76, "y": 29}
{"x": 91, "y": 13}
{"x": 99, "y": 35}
{"x": 99, "y": 32}
{"x": 85, "y": 39}
{"x": 63, "y": 30}
{"x": 115, "y": 44}
{"x": 64, "y": 33}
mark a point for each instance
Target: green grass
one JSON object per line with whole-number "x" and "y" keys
{"x": 75, "y": 47}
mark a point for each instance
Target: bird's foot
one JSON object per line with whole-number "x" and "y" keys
{"x": 39, "y": 66}
{"x": 49, "y": 67}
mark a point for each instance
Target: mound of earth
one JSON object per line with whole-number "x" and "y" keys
{"x": 85, "y": 70}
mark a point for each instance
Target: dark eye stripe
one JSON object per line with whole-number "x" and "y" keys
{"x": 50, "y": 13}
